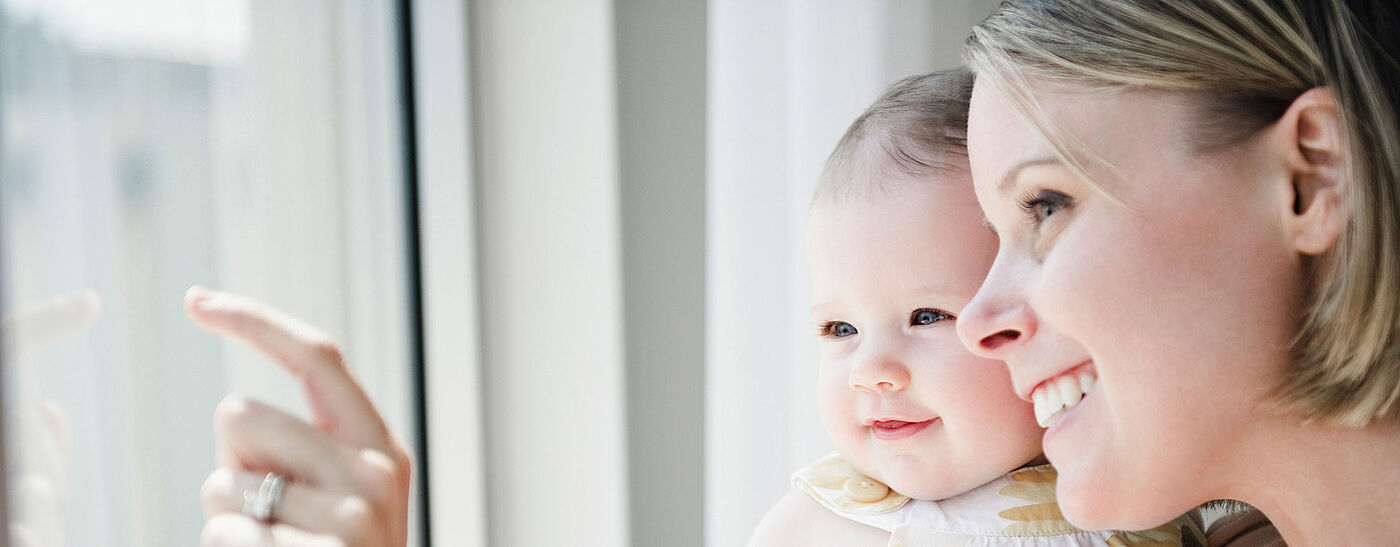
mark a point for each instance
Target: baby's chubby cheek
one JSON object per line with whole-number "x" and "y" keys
{"x": 840, "y": 417}
{"x": 836, "y": 419}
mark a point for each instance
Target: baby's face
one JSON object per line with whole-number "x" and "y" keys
{"x": 901, "y": 398}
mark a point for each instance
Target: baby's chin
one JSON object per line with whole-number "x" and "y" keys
{"x": 916, "y": 484}
{"x": 924, "y": 490}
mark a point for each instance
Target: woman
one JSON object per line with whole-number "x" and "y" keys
{"x": 1198, "y": 205}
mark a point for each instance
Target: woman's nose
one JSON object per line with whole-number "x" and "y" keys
{"x": 879, "y": 370}
{"x": 997, "y": 319}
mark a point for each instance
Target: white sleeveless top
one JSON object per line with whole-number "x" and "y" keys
{"x": 1016, "y": 509}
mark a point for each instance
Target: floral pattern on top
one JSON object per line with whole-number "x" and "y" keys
{"x": 1016, "y": 509}
{"x": 1042, "y": 517}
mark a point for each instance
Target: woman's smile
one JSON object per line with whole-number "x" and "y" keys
{"x": 1057, "y": 395}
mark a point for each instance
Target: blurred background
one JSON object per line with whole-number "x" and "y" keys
{"x": 560, "y": 242}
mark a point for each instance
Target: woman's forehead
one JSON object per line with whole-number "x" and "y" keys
{"x": 1114, "y": 124}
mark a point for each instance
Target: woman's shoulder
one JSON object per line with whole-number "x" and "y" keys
{"x": 798, "y": 519}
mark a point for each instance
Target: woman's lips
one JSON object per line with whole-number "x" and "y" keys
{"x": 893, "y": 430}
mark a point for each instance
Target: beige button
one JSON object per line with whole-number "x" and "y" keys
{"x": 865, "y": 489}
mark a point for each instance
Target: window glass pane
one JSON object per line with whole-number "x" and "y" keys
{"x": 150, "y": 145}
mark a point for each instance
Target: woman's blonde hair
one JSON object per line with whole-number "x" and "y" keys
{"x": 1246, "y": 61}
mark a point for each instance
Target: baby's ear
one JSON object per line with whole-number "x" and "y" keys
{"x": 1313, "y": 145}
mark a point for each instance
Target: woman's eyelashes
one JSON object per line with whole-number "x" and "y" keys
{"x": 1041, "y": 205}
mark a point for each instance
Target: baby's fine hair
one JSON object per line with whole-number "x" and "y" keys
{"x": 916, "y": 130}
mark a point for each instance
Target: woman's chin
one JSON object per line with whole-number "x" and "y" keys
{"x": 1088, "y": 516}
{"x": 1086, "y": 507}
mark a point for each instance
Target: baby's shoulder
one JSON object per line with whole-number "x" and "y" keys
{"x": 798, "y": 519}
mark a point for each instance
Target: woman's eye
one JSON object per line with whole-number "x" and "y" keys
{"x": 1040, "y": 206}
{"x": 926, "y": 316}
{"x": 838, "y": 329}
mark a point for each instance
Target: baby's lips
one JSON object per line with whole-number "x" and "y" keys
{"x": 876, "y": 418}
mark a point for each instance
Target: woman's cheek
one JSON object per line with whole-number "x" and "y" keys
{"x": 1087, "y": 282}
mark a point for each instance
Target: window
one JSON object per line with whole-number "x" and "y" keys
{"x": 149, "y": 145}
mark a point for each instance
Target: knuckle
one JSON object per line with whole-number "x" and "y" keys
{"x": 222, "y": 531}
{"x": 216, "y": 489}
{"x": 355, "y": 515}
{"x": 378, "y": 475}
{"x": 211, "y": 536}
{"x": 234, "y": 414}
{"x": 402, "y": 460}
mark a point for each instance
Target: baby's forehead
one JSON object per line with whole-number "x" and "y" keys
{"x": 935, "y": 198}
{"x": 871, "y": 168}
{"x": 915, "y": 234}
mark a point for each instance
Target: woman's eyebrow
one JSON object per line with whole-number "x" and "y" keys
{"x": 1009, "y": 179}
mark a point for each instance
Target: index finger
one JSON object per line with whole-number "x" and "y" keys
{"x": 30, "y": 328}
{"x": 338, "y": 404}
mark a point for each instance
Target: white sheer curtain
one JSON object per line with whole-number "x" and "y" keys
{"x": 785, "y": 78}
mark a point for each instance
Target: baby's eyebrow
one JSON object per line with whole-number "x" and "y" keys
{"x": 932, "y": 292}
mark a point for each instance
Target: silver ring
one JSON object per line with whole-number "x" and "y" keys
{"x": 258, "y": 505}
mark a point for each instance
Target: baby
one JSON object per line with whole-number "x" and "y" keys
{"x": 933, "y": 446}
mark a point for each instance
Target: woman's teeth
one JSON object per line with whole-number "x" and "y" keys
{"x": 1053, "y": 398}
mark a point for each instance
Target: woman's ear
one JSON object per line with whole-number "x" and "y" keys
{"x": 1317, "y": 161}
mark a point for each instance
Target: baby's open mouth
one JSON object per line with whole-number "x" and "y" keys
{"x": 1057, "y": 395}
{"x": 891, "y": 430}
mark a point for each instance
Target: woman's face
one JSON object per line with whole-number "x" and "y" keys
{"x": 1180, "y": 304}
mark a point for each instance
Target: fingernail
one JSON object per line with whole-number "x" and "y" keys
{"x": 198, "y": 296}
{"x": 214, "y": 302}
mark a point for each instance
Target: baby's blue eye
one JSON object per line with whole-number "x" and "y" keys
{"x": 839, "y": 329}
{"x": 927, "y": 316}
